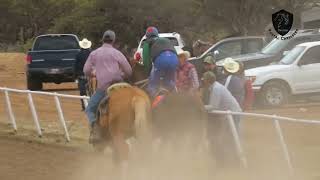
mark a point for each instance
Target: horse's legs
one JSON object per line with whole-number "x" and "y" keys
{"x": 120, "y": 153}
{"x": 120, "y": 147}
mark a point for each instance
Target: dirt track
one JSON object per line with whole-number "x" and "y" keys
{"x": 25, "y": 156}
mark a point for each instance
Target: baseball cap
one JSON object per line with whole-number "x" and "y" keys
{"x": 152, "y": 32}
{"x": 110, "y": 35}
{"x": 208, "y": 75}
{"x": 209, "y": 60}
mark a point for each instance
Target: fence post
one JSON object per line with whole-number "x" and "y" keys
{"x": 283, "y": 145}
{"x": 10, "y": 112}
{"x": 236, "y": 137}
{"x": 34, "y": 114}
{"x": 61, "y": 117}
{"x": 85, "y": 101}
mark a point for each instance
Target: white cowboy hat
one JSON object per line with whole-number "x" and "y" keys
{"x": 85, "y": 43}
{"x": 231, "y": 65}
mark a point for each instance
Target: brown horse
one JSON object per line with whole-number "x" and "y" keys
{"x": 128, "y": 115}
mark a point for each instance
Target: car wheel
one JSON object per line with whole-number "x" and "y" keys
{"x": 34, "y": 84}
{"x": 274, "y": 94}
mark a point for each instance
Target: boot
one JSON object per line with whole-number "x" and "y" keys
{"x": 95, "y": 134}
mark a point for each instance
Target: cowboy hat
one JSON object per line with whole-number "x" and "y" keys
{"x": 85, "y": 43}
{"x": 181, "y": 52}
{"x": 231, "y": 65}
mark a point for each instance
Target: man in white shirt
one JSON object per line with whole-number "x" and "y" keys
{"x": 220, "y": 137}
{"x": 217, "y": 95}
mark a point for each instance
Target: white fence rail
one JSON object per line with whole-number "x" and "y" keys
{"x": 34, "y": 111}
{"x": 229, "y": 114}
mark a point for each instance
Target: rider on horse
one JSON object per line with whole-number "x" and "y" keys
{"x": 110, "y": 66}
{"x": 161, "y": 55}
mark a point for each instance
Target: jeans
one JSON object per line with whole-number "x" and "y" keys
{"x": 165, "y": 66}
{"x": 93, "y": 104}
{"x": 82, "y": 88}
{"x": 221, "y": 141}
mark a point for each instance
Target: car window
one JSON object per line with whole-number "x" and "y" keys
{"x": 254, "y": 45}
{"x": 56, "y": 43}
{"x": 228, "y": 49}
{"x": 292, "y": 55}
{"x": 275, "y": 46}
{"x": 312, "y": 56}
{"x": 173, "y": 40}
{"x": 300, "y": 40}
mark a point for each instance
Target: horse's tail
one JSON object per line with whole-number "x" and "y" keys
{"x": 142, "y": 121}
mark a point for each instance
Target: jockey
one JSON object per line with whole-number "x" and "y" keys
{"x": 161, "y": 54}
{"x": 110, "y": 66}
{"x": 187, "y": 77}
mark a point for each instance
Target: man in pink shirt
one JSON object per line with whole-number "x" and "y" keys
{"x": 109, "y": 66}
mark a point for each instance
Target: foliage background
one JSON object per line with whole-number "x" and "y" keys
{"x": 209, "y": 20}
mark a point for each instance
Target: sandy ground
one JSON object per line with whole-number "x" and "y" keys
{"x": 23, "y": 155}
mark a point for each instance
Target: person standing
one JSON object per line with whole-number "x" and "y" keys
{"x": 81, "y": 59}
{"x": 209, "y": 64}
{"x": 234, "y": 82}
{"x": 187, "y": 77}
{"x": 249, "y": 93}
{"x": 217, "y": 97}
{"x": 109, "y": 66}
{"x": 161, "y": 55}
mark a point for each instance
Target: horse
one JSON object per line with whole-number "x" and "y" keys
{"x": 177, "y": 115}
{"x": 128, "y": 115}
{"x": 180, "y": 119}
{"x": 283, "y": 19}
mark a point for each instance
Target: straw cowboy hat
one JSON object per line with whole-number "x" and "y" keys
{"x": 85, "y": 43}
{"x": 231, "y": 65}
{"x": 181, "y": 52}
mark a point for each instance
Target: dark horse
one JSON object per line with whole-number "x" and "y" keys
{"x": 178, "y": 115}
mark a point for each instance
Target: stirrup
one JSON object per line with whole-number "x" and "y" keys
{"x": 162, "y": 91}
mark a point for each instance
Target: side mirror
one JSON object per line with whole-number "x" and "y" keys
{"x": 285, "y": 53}
{"x": 301, "y": 62}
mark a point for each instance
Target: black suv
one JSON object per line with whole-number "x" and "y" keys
{"x": 51, "y": 59}
{"x": 276, "y": 49}
{"x": 230, "y": 47}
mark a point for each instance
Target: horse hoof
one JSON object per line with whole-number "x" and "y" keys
{"x": 98, "y": 147}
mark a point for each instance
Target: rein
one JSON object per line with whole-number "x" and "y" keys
{"x": 91, "y": 85}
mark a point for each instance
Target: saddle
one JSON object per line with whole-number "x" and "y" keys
{"x": 117, "y": 86}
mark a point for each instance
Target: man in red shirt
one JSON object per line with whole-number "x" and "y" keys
{"x": 187, "y": 77}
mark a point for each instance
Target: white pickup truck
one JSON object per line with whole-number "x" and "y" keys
{"x": 174, "y": 37}
{"x": 298, "y": 73}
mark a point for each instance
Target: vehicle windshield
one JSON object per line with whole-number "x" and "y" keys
{"x": 275, "y": 46}
{"x": 292, "y": 55}
{"x": 56, "y": 43}
{"x": 173, "y": 40}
